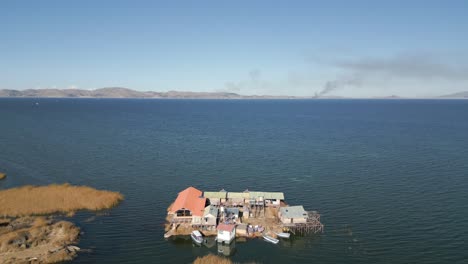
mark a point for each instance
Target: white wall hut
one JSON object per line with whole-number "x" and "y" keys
{"x": 293, "y": 215}
{"x": 226, "y": 233}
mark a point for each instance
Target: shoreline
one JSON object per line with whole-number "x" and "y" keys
{"x": 29, "y": 233}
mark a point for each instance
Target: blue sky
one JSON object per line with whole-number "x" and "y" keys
{"x": 350, "y": 48}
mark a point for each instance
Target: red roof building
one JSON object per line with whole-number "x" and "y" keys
{"x": 226, "y": 227}
{"x": 190, "y": 199}
{"x": 226, "y": 233}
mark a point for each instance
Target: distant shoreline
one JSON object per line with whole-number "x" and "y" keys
{"x": 239, "y": 99}
{"x": 125, "y": 93}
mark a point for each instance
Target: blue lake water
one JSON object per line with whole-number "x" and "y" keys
{"x": 390, "y": 177}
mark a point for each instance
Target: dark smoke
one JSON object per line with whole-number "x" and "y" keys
{"x": 338, "y": 84}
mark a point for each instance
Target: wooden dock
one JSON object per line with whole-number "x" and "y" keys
{"x": 313, "y": 225}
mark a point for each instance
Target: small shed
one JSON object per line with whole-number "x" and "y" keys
{"x": 245, "y": 212}
{"x": 210, "y": 215}
{"x": 256, "y": 198}
{"x": 237, "y": 198}
{"x": 267, "y": 198}
{"x": 241, "y": 229}
{"x": 216, "y": 198}
{"x": 293, "y": 215}
{"x": 273, "y": 198}
{"x": 226, "y": 233}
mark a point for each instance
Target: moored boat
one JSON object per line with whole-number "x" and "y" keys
{"x": 197, "y": 237}
{"x": 283, "y": 235}
{"x": 168, "y": 234}
{"x": 270, "y": 239}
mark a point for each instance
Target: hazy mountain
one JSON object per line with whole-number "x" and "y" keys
{"x": 119, "y": 92}
{"x": 456, "y": 95}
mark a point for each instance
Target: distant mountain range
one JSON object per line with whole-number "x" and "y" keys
{"x": 119, "y": 92}
{"x": 456, "y": 95}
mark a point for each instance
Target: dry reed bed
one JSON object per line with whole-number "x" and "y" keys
{"x": 27, "y": 238}
{"x": 54, "y": 198}
{"x": 212, "y": 259}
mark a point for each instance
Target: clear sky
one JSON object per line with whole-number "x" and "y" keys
{"x": 350, "y": 48}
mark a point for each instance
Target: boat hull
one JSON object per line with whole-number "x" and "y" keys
{"x": 271, "y": 239}
{"x": 196, "y": 239}
{"x": 283, "y": 235}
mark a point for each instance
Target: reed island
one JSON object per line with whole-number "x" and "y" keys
{"x": 28, "y": 231}
{"x": 229, "y": 215}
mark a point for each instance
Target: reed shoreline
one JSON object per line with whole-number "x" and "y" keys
{"x": 28, "y": 231}
{"x": 51, "y": 199}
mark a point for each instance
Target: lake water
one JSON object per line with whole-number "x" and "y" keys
{"x": 390, "y": 177}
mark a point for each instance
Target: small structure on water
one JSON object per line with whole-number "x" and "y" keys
{"x": 296, "y": 219}
{"x": 226, "y": 232}
{"x": 293, "y": 215}
{"x": 268, "y": 198}
{"x": 249, "y": 213}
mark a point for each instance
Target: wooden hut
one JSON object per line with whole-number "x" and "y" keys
{"x": 210, "y": 216}
{"x": 216, "y": 198}
{"x": 241, "y": 229}
{"x": 266, "y": 198}
{"x": 273, "y": 198}
{"x": 237, "y": 198}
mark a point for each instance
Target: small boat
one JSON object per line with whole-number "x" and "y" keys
{"x": 270, "y": 239}
{"x": 196, "y": 237}
{"x": 283, "y": 235}
{"x": 168, "y": 234}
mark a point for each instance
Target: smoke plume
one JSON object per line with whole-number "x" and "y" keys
{"x": 339, "y": 83}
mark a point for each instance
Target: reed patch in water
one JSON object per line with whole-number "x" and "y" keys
{"x": 54, "y": 198}
{"x": 212, "y": 259}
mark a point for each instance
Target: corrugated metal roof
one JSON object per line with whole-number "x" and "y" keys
{"x": 212, "y": 210}
{"x": 217, "y": 195}
{"x": 235, "y": 195}
{"x": 274, "y": 195}
{"x": 293, "y": 211}
{"x": 244, "y": 195}
{"x": 232, "y": 210}
{"x": 267, "y": 195}
{"x": 254, "y": 195}
{"x": 226, "y": 227}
